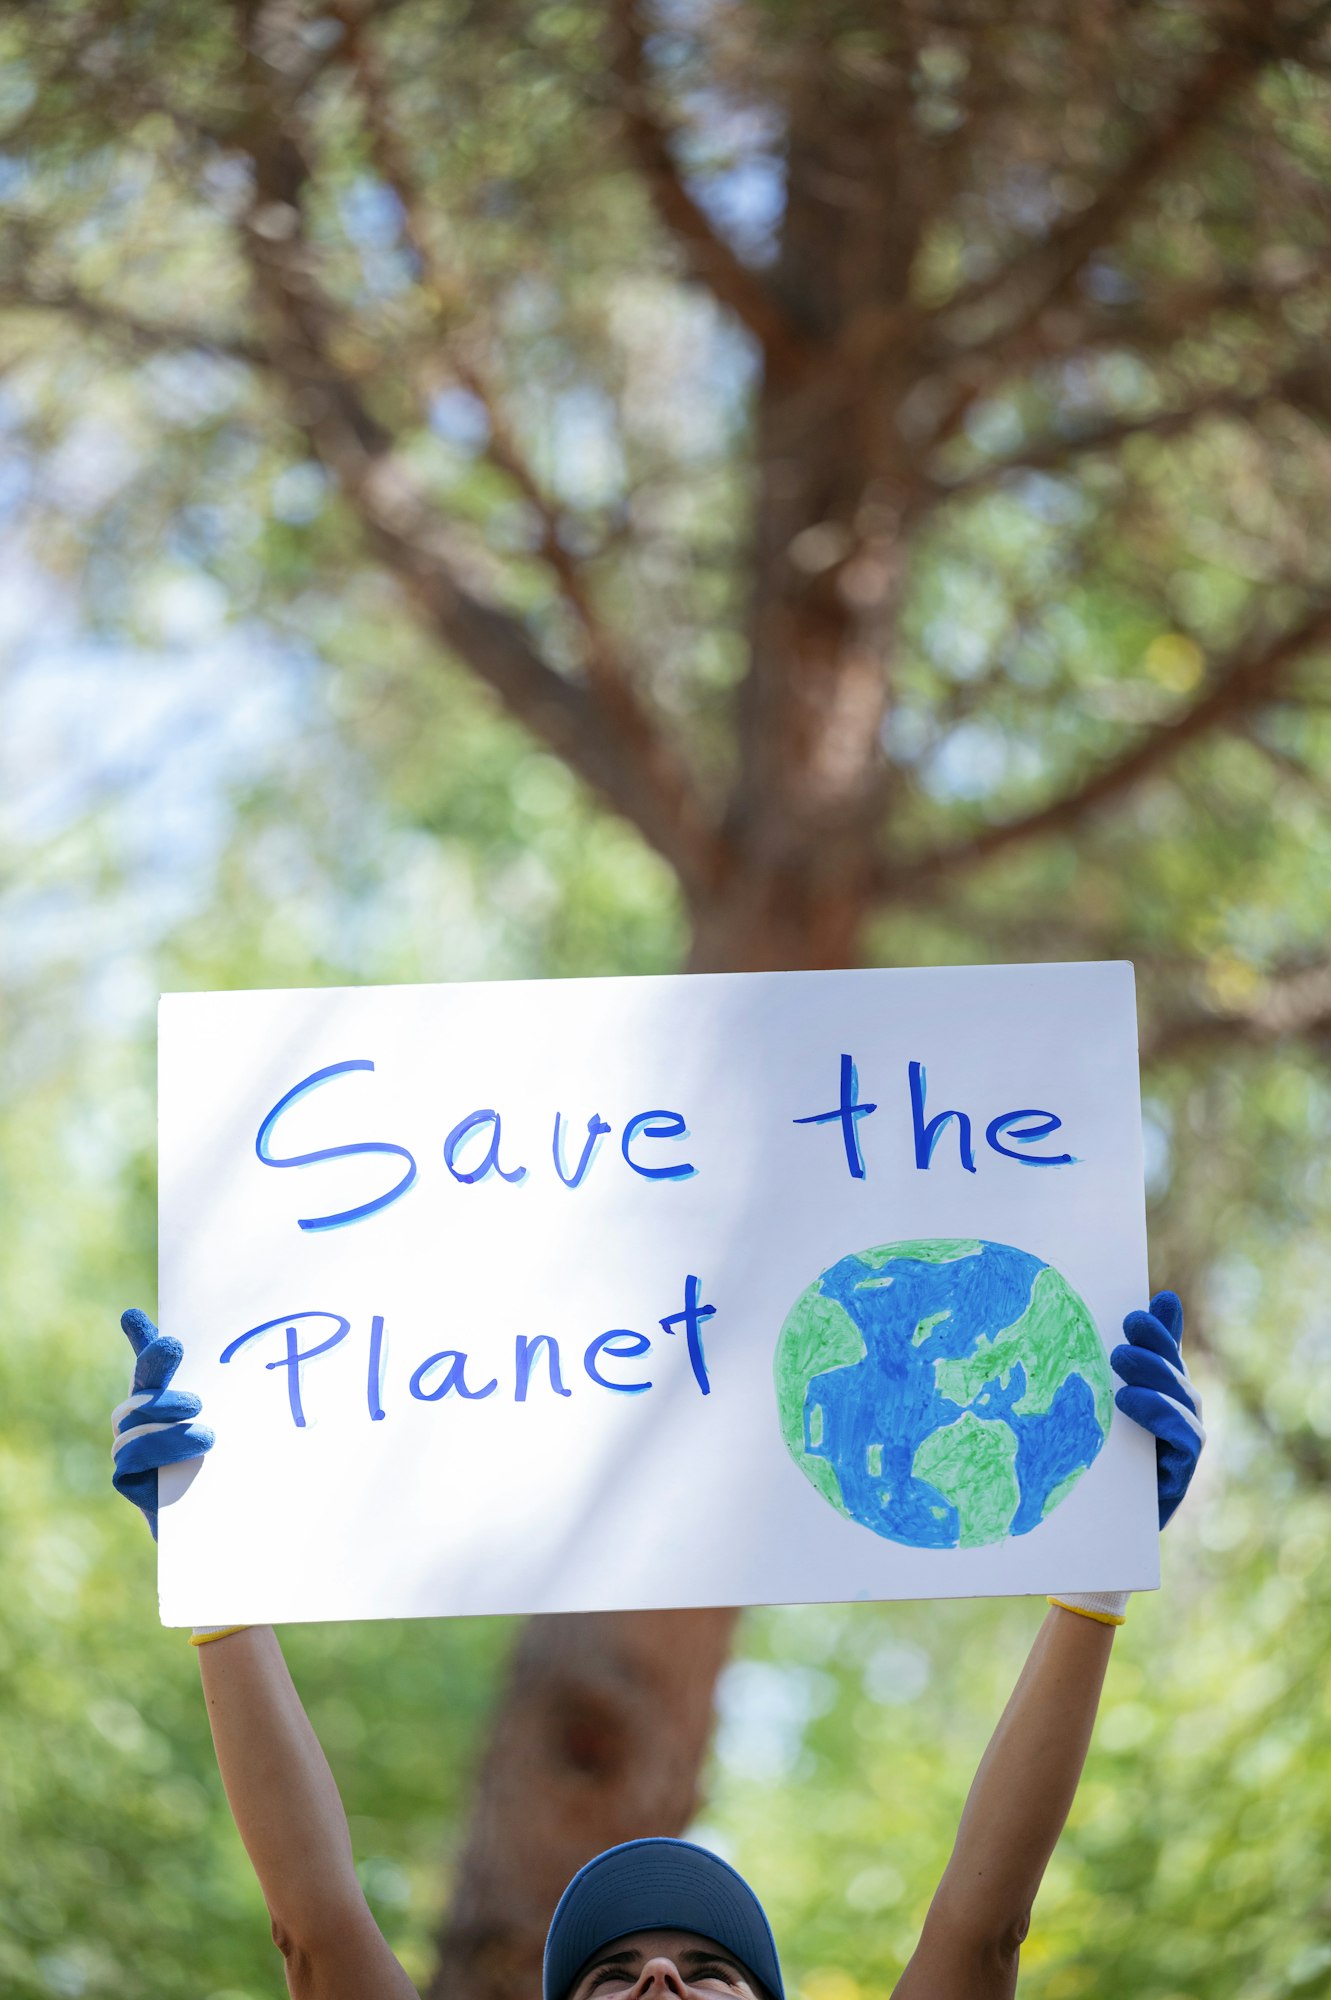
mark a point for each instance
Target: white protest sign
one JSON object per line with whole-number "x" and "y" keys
{"x": 614, "y": 1293}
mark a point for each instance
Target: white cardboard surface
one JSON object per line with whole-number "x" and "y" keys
{"x": 603, "y": 1499}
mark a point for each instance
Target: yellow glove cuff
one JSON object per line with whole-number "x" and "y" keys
{"x": 204, "y": 1634}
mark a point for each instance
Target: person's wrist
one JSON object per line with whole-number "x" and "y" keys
{"x": 1107, "y": 1607}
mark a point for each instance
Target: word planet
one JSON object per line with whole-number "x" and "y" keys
{"x": 944, "y": 1394}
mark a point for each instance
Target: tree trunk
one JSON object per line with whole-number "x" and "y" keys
{"x": 599, "y": 1737}
{"x": 603, "y": 1725}
{"x": 601, "y": 1732}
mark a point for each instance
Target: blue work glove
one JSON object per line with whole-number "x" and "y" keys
{"x": 1159, "y": 1395}
{"x": 155, "y": 1425}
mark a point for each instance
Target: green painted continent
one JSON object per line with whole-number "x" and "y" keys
{"x": 973, "y": 1464}
{"x": 818, "y": 1334}
{"x": 1054, "y": 1338}
{"x": 928, "y": 1250}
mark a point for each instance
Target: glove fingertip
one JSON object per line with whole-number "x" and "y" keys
{"x": 136, "y": 1324}
{"x": 1167, "y": 1307}
{"x": 158, "y": 1362}
{"x": 1144, "y": 1406}
{"x": 1142, "y": 1328}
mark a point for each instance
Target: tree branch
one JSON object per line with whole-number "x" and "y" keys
{"x": 601, "y": 730}
{"x": 1292, "y": 768}
{"x": 1146, "y": 331}
{"x": 1054, "y": 454}
{"x": 711, "y": 260}
{"x": 1308, "y": 1456}
{"x": 1284, "y": 1007}
{"x": 152, "y": 336}
{"x": 999, "y": 308}
{"x": 1248, "y": 677}
{"x": 607, "y": 670}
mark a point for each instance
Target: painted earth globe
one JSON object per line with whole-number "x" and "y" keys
{"x": 946, "y": 1394}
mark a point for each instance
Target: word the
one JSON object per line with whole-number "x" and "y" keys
{"x": 445, "y": 1372}
{"x": 1027, "y": 1127}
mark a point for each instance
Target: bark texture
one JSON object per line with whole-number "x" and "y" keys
{"x": 599, "y": 1737}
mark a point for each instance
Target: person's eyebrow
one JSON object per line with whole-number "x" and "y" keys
{"x": 625, "y": 1957}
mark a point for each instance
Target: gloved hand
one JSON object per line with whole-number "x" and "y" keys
{"x": 1157, "y": 1393}
{"x": 154, "y": 1425}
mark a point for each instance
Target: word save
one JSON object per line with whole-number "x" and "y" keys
{"x": 460, "y": 1149}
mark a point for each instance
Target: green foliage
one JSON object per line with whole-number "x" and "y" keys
{"x": 1196, "y": 1856}
{"x": 119, "y": 1864}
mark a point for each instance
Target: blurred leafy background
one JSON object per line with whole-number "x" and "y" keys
{"x": 229, "y": 757}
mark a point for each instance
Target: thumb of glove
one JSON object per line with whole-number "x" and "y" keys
{"x": 157, "y": 1355}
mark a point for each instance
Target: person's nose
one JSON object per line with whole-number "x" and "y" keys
{"x": 660, "y": 1980}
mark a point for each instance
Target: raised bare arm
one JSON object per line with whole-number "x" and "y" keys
{"x": 1028, "y": 1776}
{"x": 281, "y": 1791}
{"x": 289, "y": 1815}
{"x": 1014, "y": 1814}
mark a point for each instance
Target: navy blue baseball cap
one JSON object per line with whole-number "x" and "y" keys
{"x": 658, "y": 1885}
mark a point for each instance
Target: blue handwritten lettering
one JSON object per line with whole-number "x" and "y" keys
{"x": 524, "y": 1354}
{"x": 657, "y": 1125}
{"x": 848, "y": 1114}
{"x": 926, "y": 1136}
{"x": 596, "y": 1131}
{"x": 333, "y": 1152}
{"x": 691, "y": 1320}
{"x": 624, "y": 1345}
{"x": 1026, "y": 1136}
{"x": 293, "y": 1357}
{"x": 461, "y": 1132}
{"x": 456, "y": 1378}
{"x": 374, "y": 1375}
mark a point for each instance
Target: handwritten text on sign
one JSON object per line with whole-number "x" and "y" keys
{"x": 472, "y": 1152}
{"x": 515, "y": 1291}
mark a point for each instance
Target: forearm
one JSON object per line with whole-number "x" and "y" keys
{"x": 282, "y": 1794}
{"x": 1024, "y": 1788}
